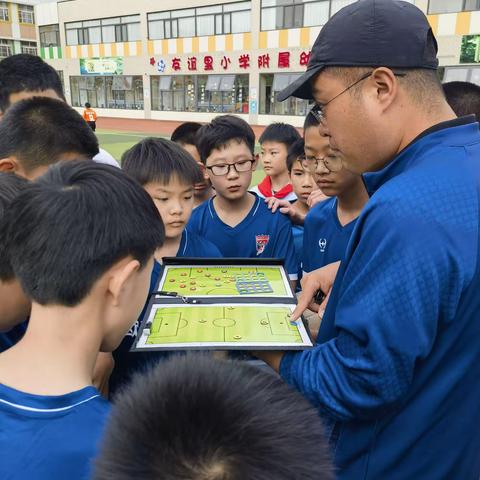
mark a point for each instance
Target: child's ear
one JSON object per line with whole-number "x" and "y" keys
{"x": 8, "y": 165}
{"x": 204, "y": 171}
{"x": 121, "y": 274}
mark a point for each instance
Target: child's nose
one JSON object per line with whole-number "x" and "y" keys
{"x": 176, "y": 208}
{"x": 232, "y": 173}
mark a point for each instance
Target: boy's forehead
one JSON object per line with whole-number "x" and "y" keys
{"x": 232, "y": 150}
{"x": 192, "y": 150}
{"x": 298, "y": 165}
{"x": 174, "y": 184}
{"x": 273, "y": 144}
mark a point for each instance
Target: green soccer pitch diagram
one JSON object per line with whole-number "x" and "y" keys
{"x": 232, "y": 326}
{"x": 218, "y": 281}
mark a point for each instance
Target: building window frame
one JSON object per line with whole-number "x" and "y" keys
{"x": 464, "y": 8}
{"x": 26, "y": 14}
{"x": 222, "y": 20}
{"x": 287, "y": 16}
{"x": 45, "y": 30}
{"x": 5, "y": 12}
{"x": 270, "y": 85}
{"x": 120, "y": 29}
{"x": 6, "y": 48}
{"x": 101, "y": 92}
{"x": 200, "y": 93}
{"x": 29, "y": 48}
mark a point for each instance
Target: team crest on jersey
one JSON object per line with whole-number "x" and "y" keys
{"x": 322, "y": 243}
{"x": 261, "y": 242}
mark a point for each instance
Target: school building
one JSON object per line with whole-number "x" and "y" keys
{"x": 17, "y": 28}
{"x": 193, "y": 59}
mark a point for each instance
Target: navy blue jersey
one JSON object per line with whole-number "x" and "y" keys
{"x": 126, "y": 362}
{"x": 297, "y": 232}
{"x": 261, "y": 234}
{"x": 46, "y": 437}
{"x": 324, "y": 239}
{"x": 12, "y": 336}
{"x": 193, "y": 245}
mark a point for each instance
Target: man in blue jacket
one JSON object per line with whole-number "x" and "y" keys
{"x": 396, "y": 368}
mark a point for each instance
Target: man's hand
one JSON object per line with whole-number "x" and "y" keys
{"x": 315, "y": 197}
{"x": 102, "y": 371}
{"x": 272, "y": 359}
{"x": 320, "y": 279}
{"x": 287, "y": 208}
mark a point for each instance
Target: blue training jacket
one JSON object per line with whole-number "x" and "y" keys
{"x": 396, "y": 372}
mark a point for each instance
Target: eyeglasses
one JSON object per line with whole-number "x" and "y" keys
{"x": 239, "y": 167}
{"x": 331, "y": 163}
{"x": 318, "y": 110}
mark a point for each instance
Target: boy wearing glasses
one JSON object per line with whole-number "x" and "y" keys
{"x": 328, "y": 225}
{"x": 237, "y": 221}
{"x": 168, "y": 174}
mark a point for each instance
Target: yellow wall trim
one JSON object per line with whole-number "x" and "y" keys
{"x": 462, "y": 26}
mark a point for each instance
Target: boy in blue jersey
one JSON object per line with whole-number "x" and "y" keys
{"x": 237, "y": 221}
{"x": 275, "y": 141}
{"x": 168, "y": 174}
{"x": 14, "y": 304}
{"x": 185, "y": 136}
{"x": 329, "y": 224}
{"x": 86, "y": 266}
{"x": 194, "y": 417}
{"x": 303, "y": 184}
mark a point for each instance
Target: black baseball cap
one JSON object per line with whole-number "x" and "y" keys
{"x": 369, "y": 33}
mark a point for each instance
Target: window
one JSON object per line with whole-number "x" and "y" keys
{"x": 339, "y": 4}
{"x": 200, "y": 93}
{"x": 25, "y": 14}
{"x": 4, "y": 12}
{"x": 270, "y": 85}
{"x": 452, "y": 6}
{"x": 462, "y": 74}
{"x": 197, "y": 22}
{"x": 278, "y": 14}
{"x": 49, "y": 36}
{"x": 107, "y": 30}
{"x": 6, "y": 48}
{"x": 29, "y": 47}
{"x": 119, "y": 91}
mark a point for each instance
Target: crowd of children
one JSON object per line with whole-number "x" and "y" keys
{"x": 81, "y": 247}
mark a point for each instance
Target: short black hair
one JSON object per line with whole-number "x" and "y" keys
{"x": 297, "y": 149}
{"x": 310, "y": 121}
{"x": 281, "y": 133}
{"x": 71, "y": 225}
{"x": 158, "y": 160}
{"x": 222, "y": 130}
{"x": 38, "y": 130}
{"x": 87, "y": 105}
{"x": 26, "y": 73}
{"x": 463, "y": 97}
{"x": 194, "y": 417}
{"x": 10, "y": 186}
{"x": 185, "y": 134}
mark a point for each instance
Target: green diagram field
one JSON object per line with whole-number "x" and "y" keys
{"x": 220, "y": 324}
{"x": 225, "y": 280}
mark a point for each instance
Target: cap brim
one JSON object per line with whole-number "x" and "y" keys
{"x": 301, "y": 87}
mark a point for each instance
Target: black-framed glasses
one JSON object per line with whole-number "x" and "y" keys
{"x": 331, "y": 163}
{"x": 318, "y": 110}
{"x": 239, "y": 167}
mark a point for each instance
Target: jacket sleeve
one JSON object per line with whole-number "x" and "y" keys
{"x": 402, "y": 278}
